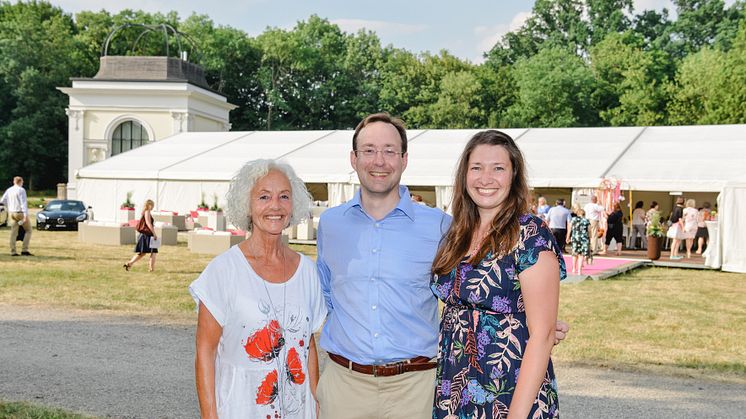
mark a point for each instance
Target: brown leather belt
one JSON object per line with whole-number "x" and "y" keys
{"x": 420, "y": 363}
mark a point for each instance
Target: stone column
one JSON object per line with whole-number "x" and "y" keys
{"x": 180, "y": 122}
{"x": 75, "y": 148}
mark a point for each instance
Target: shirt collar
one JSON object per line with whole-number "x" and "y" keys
{"x": 405, "y": 204}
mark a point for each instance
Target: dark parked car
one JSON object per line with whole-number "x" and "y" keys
{"x": 61, "y": 214}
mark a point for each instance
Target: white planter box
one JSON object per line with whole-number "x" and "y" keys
{"x": 216, "y": 220}
{"x": 126, "y": 215}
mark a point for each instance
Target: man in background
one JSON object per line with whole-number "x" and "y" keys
{"x": 16, "y": 203}
{"x": 594, "y": 213}
{"x": 558, "y": 219}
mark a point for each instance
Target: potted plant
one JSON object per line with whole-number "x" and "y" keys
{"x": 654, "y": 233}
{"x": 215, "y": 218}
{"x": 127, "y": 209}
{"x": 202, "y": 206}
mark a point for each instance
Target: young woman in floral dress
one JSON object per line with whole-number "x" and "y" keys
{"x": 580, "y": 242}
{"x": 498, "y": 273}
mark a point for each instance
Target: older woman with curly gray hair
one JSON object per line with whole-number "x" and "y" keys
{"x": 259, "y": 304}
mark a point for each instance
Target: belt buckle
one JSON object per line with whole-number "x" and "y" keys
{"x": 375, "y": 370}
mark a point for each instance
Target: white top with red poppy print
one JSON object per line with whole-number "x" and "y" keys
{"x": 261, "y": 370}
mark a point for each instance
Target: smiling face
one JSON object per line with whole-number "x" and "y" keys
{"x": 379, "y": 175}
{"x": 488, "y": 178}
{"x": 271, "y": 203}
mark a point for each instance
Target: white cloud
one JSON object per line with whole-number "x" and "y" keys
{"x": 487, "y": 36}
{"x": 641, "y": 5}
{"x": 380, "y": 27}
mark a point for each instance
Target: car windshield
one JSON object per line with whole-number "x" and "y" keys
{"x": 65, "y": 206}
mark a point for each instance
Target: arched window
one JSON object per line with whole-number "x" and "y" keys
{"x": 126, "y": 136}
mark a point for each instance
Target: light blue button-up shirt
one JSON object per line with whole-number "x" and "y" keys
{"x": 375, "y": 275}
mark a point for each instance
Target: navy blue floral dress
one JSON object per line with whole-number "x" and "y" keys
{"x": 483, "y": 332}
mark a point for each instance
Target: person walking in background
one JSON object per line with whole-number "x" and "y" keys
{"x": 614, "y": 230}
{"x": 703, "y": 235}
{"x": 690, "y": 216}
{"x": 594, "y": 212}
{"x": 638, "y": 227}
{"x": 580, "y": 243}
{"x": 16, "y": 203}
{"x": 676, "y": 230}
{"x": 147, "y": 232}
{"x": 558, "y": 219}
{"x": 651, "y": 211}
{"x": 497, "y": 272}
{"x": 542, "y": 208}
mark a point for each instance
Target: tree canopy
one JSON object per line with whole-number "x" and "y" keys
{"x": 573, "y": 63}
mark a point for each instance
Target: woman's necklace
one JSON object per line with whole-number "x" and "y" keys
{"x": 476, "y": 243}
{"x": 279, "y": 363}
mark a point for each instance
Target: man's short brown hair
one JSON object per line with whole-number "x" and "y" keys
{"x": 382, "y": 117}
{"x": 17, "y": 180}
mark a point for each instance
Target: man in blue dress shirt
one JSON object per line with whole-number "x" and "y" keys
{"x": 374, "y": 258}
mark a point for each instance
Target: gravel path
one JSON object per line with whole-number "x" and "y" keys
{"x": 131, "y": 368}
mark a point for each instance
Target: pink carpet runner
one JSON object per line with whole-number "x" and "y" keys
{"x": 600, "y": 264}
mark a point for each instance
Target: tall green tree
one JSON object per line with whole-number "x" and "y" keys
{"x": 629, "y": 81}
{"x": 37, "y": 54}
{"x": 698, "y": 24}
{"x": 231, "y": 60}
{"x": 434, "y": 68}
{"x": 553, "y": 23}
{"x": 710, "y": 86}
{"x": 401, "y": 77}
{"x": 606, "y": 17}
{"x": 458, "y": 102}
{"x": 555, "y": 88}
{"x": 306, "y": 84}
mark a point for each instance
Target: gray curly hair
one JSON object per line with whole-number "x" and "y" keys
{"x": 238, "y": 210}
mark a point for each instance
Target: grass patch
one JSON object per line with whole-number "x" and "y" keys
{"x": 22, "y": 410}
{"x": 67, "y": 273}
{"x": 656, "y": 319}
{"x": 669, "y": 320}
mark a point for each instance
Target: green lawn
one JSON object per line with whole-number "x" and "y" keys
{"x": 667, "y": 320}
{"x": 670, "y": 320}
{"x": 21, "y": 410}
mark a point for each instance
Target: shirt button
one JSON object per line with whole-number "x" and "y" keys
{"x": 372, "y": 279}
{"x": 374, "y": 250}
{"x": 375, "y": 335}
{"x": 374, "y": 307}
{"x": 378, "y": 224}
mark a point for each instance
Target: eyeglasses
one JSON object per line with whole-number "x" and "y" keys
{"x": 370, "y": 153}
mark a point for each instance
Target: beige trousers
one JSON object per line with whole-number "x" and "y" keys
{"x": 14, "y": 219}
{"x": 347, "y": 394}
{"x": 593, "y": 235}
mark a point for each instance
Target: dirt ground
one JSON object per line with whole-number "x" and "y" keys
{"x": 111, "y": 366}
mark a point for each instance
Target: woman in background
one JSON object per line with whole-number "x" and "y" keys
{"x": 143, "y": 241}
{"x": 614, "y": 229}
{"x": 702, "y": 234}
{"x": 638, "y": 226}
{"x": 690, "y": 225}
{"x": 676, "y": 231}
{"x": 580, "y": 242}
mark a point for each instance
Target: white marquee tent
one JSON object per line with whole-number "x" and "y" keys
{"x": 177, "y": 171}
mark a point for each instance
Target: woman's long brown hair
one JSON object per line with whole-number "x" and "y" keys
{"x": 505, "y": 229}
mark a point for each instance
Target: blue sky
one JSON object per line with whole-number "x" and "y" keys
{"x": 466, "y": 28}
